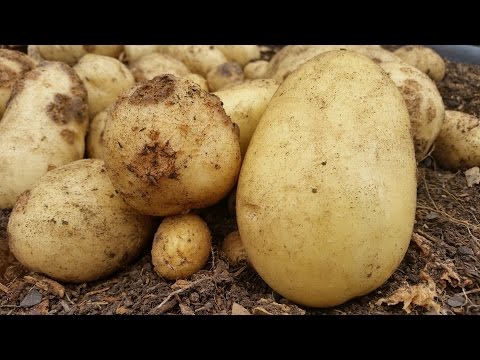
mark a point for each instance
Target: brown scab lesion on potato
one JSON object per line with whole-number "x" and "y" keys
{"x": 64, "y": 109}
{"x": 158, "y": 89}
{"x": 22, "y": 201}
{"x": 68, "y": 135}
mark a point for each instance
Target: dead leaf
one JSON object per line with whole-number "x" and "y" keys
{"x": 420, "y": 295}
{"x": 121, "y": 310}
{"x": 238, "y": 309}
{"x": 472, "y": 176}
{"x": 46, "y": 284}
{"x": 450, "y": 274}
{"x": 4, "y": 288}
{"x": 186, "y": 310}
{"x": 422, "y": 243}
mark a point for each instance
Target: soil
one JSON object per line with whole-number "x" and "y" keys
{"x": 440, "y": 273}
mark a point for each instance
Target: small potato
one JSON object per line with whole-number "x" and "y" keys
{"x": 241, "y": 54}
{"x": 375, "y": 53}
{"x": 135, "y": 52}
{"x": 199, "y": 59}
{"x": 156, "y": 64}
{"x": 105, "y": 78}
{"x": 43, "y": 127}
{"x": 233, "y": 248}
{"x": 170, "y": 147}
{"x": 70, "y": 54}
{"x": 95, "y": 135}
{"x": 424, "y": 103}
{"x": 199, "y": 80}
{"x": 181, "y": 246}
{"x": 255, "y": 69}
{"x": 224, "y": 76}
{"x": 424, "y": 59}
{"x": 245, "y": 104}
{"x": 13, "y": 65}
{"x": 457, "y": 147}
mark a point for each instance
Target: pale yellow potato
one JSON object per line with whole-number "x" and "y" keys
{"x": 233, "y": 248}
{"x": 424, "y": 103}
{"x": 199, "y": 59}
{"x": 95, "y": 133}
{"x": 424, "y": 59}
{"x": 13, "y": 65}
{"x": 241, "y": 54}
{"x": 327, "y": 190}
{"x": 169, "y": 147}
{"x": 224, "y": 76}
{"x": 457, "y": 146}
{"x": 199, "y": 80}
{"x": 156, "y": 64}
{"x": 70, "y": 54}
{"x": 105, "y": 78}
{"x": 72, "y": 226}
{"x": 43, "y": 127}
{"x": 181, "y": 247}
{"x": 375, "y": 53}
{"x": 245, "y": 104}
{"x": 255, "y": 69}
{"x": 135, "y": 52}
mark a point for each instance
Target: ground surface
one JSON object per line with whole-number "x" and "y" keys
{"x": 439, "y": 274}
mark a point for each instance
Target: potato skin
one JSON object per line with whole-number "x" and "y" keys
{"x": 327, "y": 190}
{"x": 156, "y": 64}
{"x": 424, "y": 103}
{"x": 233, "y": 248}
{"x": 199, "y": 59}
{"x": 457, "y": 147}
{"x": 70, "y": 54}
{"x": 74, "y": 227}
{"x": 424, "y": 59}
{"x": 181, "y": 246}
{"x": 256, "y": 69}
{"x": 224, "y": 76}
{"x": 95, "y": 134}
{"x": 13, "y": 65}
{"x": 44, "y": 126}
{"x": 104, "y": 78}
{"x": 170, "y": 147}
{"x": 241, "y": 54}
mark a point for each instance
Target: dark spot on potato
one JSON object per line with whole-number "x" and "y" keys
{"x": 64, "y": 222}
{"x": 314, "y": 190}
{"x": 153, "y": 135}
{"x": 160, "y": 88}
{"x": 89, "y": 48}
{"x": 324, "y": 163}
{"x": 63, "y": 109}
{"x": 431, "y": 112}
{"x": 50, "y": 167}
{"x": 22, "y": 201}
{"x": 120, "y": 145}
{"x": 68, "y": 135}
{"x": 369, "y": 275}
{"x": 217, "y": 166}
{"x": 111, "y": 254}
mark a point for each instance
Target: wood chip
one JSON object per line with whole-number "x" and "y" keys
{"x": 261, "y": 311}
{"x": 40, "y": 309}
{"x": 121, "y": 310}
{"x": 238, "y": 309}
{"x": 169, "y": 305}
{"x": 4, "y": 288}
{"x": 186, "y": 310}
{"x": 97, "y": 291}
{"x": 422, "y": 243}
{"x": 46, "y": 284}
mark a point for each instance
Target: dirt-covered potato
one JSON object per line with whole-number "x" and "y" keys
{"x": 424, "y": 103}
{"x": 95, "y": 135}
{"x": 199, "y": 59}
{"x": 224, "y": 76}
{"x": 156, "y": 64}
{"x": 170, "y": 147}
{"x": 327, "y": 190}
{"x": 181, "y": 246}
{"x": 104, "y": 78}
{"x": 74, "y": 227}
{"x": 70, "y": 54}
{"x": 255, "y": 69}
{"x": 241, "y": 54}
{"x": 245, "y": 104}
{"x": 13, "y": 65}
{"x": 457, "y": 147}
{"x": 233, "y": 248}
{"x": 43, "y": 127}
{"x": 424, "y": 59}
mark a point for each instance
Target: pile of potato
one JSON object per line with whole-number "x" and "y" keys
{"x": 97, "y": 142}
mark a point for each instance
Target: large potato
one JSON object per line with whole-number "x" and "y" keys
{"x": 327, "y": 190}
{"x": 13, "y": 65}
{"x": 424, "y": 103}
{"x": 70, "y": 54}
{"x": 241, "y": 54}
{"x": 199, "y": 59}
{"x": 74, "y": 227}
{"x": 105, "y": 78}
{"x": 458, "y": 144}
{"x": 44, "y": 126}
{"x": 170, "y": 147}
{"x": 245, "y": 104}
{"x": 424, "y": 59}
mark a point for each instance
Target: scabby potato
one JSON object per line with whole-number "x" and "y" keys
{"x": 170, "y": 147}
{"x": 327, "y": 190}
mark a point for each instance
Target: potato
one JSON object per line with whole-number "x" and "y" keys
{"x": 245, "y": 104}
{"x": 255, "y": 69}
{"x": 170, "y": 147}
{"x": 375, "y": 53}
{"x": 156, "y": 64}
{"x": 424, "y": 103}
{"x": 70, "y": 54}
{"x": 135, "y": 52}
{"x": 13, "y": 65}
{"x": 105, "y": 78}
{"x": 241, "y": 54}
{"x": 327, "y": 190}
{"x": 95, "y": 135}
{"x": 233, "y": 248}
{"x": 424, "y": 59}
{"x": 224, "y": 76}
{"x": 199, "y": 80}
{"x": 457, "y": 147}
{"x": 73, "y": 226}
{"x": 181, "y": 246}
{"x": 44, "y": 126}
{"x": 199, "y": 59}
